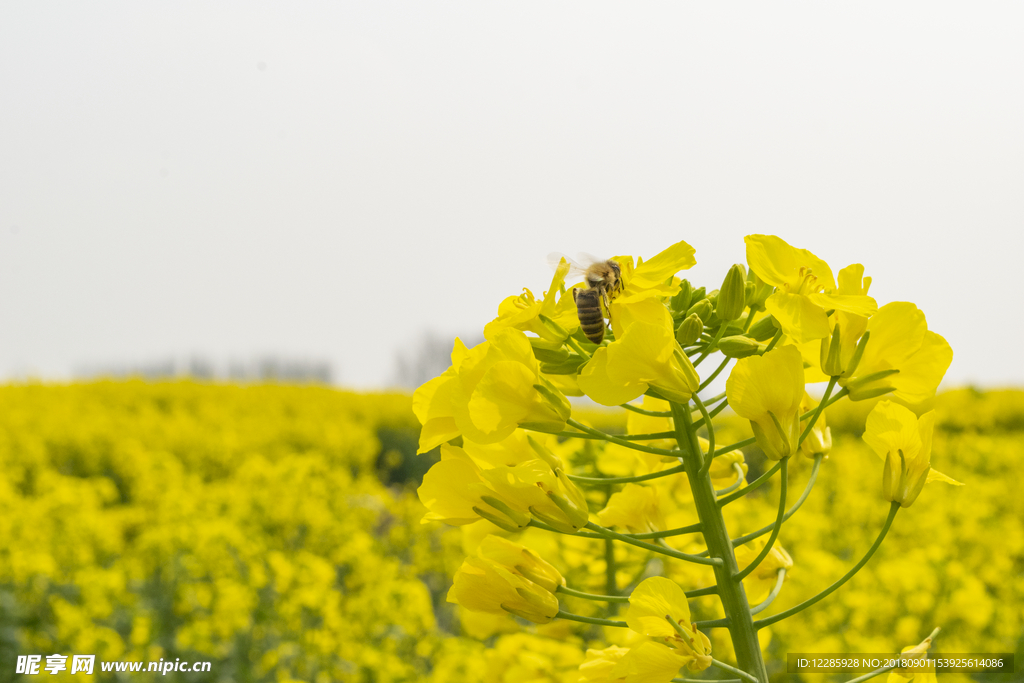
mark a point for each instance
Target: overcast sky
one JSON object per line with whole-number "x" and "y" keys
{"x": 330, "y": 181}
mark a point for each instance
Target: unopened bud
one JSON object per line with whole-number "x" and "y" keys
{"x": 697, "y": 295}
{"x": 739, "y": 346}
{"x": 681, "y": 301}
{"x": 757, "y": 292}
{"x": 732, "y": 297}
{"x": 831, "y": 354}
{"x": 689, "y": 330}
{"x": 764, "y": 329}
{"x": 702, "y": 309}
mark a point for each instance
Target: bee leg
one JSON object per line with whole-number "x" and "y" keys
{"x": 575, "y": 292}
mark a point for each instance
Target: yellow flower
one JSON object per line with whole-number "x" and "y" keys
{"x": 487, "y": 392}
{"x": 819, "y": 441}
{"x": 759, "y": 583}
{"x": 454, "y": 491}
{"x": 483, "y": 585}
{"x": 805, "y": 288}
{"x": 901, "y": 355}
{"x": 644, "y": 354}
{"x": 522, "y": 561}
{"x": 919, "y": 651}
{"x": 836, "y": 350}
{"x": 722, "y": 472}
{"x": 653, "y": 278}
{"x": 636, "y": 508}
{"x": 524, "y": 312}
{"x": 653, "y": 604}
{"x": 646, "y": 663}
{"x": 905, "y": 443}
{"x": 599, "y": 664}
{"x": 767, "y": 390}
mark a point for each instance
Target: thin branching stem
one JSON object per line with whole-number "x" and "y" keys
{"x": 622, "y": 442}
{"x": 783, "y": 485}
{"x": 740, "y": 477}
{"x": 591, "y": 596}
{"x": 893, "y": 509}
{"x": 605, "y": 481}
{"x": 713, "y": 375}
{"x": 589, "y": 620}
{"x": 608, "y": 533}
{"x": 751, "y": 486}
{"x": 771, "y": 596}
{"x": 789, "y": 513}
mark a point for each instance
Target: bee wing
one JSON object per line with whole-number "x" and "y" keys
{"x": 588, "y": 259}
{"x": 575, "y": 269}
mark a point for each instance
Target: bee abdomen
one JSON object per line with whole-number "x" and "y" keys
{"x": 588, "y": 308}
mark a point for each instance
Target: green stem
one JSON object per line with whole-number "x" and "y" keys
{"x": 731, "y": 593}
{"x": 733, "y": 446}
{"x": 869, "y": 676}
{"x": 589, "y": 620}
{"x": 751, "y": 486}
{"x": 739, "y": 480}
{"x": 701, "y": 680}
{"x": 750, "y": 319}
{"x": 604, "y": 481}
{"x": 733, "y": 670}
{"x": 591, "y": 596}
{"x": 714, "y": 342}
{"x": 713, "y": 375}
{"x": 783, "y": 484}
{"x": 577, "y": 347}
{"x": 698, "y": 592}
{"x": 625, "y": 437}
{"x": 893, "y": 509}
{"x": 774, "y": 341}
{"x": 622, "y": 442}
{"x": 610, "y": 567}
{"x": 789, "y": 513}
{"x": 771, "y": 596}
{"x": 711, "y": 435}
{"x": 817, "y": 411}
{"x": 691, "y": 529}
{"x": 608, "y": 533}
{"x": 650, "y": 413}
{"x": 714, "y": 411}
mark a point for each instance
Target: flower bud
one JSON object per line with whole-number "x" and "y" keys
{"x": 689, "y": 330}
{"x": 764, "y": 329}
{"x": 681, "y": 301}
{"x": 739, "y": 346}
{"x": 697, "y": 295}
{"x": 831, "y": 354}
{"x": 732, "y": 296}
{"x": 757, "y": 292}
{"x": 702, "y": 308}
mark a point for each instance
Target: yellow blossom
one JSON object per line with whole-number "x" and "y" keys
{"x": 819, "y": 440}
{"x": 636, "y": 508}
{"x": 759, "y": 583}
{"x": 919, "y": 651}
{"x": 644, "y": 354}
{"x": 454, "y": 491}
{"x": 905, "y": 443}
{"x": 767, "y": 390}
{"x": 524, "y": 312}
{"x": 653, "y": 278}
{"x": 901, "y": 355}
{"x": 658, "y": 609}
{"x": 482, "y": 585}
{"x": 521, "y": 560}
{"x": 805, "y": 288}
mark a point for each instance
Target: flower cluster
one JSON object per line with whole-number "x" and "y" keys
{"x": 514, "y": 455}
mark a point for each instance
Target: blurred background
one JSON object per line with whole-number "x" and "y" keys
{"x": 234, "y": 236}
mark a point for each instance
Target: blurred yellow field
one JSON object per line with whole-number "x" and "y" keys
{"x": 274, "y": 531}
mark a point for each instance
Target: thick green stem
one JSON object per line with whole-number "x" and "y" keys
{"x": 895, "y": 507}
{"x": 731, "y": 593}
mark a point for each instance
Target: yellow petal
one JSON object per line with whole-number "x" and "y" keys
{"x": 920, "y": 375}
{"x": 773, "y": 382}
{"x": 663, "y": 266}
{"x": 653, "y": 600}
{"x": 855, "y": 304}
{"x": 801, "y": 319}
{"x": 596, "y": 383}
{"x": 890, "y": 427}
{"x": 935, "y": 475}
{"x": 649, "y": 662}
{"x": 779, "y": 264}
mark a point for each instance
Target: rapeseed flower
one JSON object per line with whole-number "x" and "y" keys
{"x": 527, "y": 313}
{"x": 767, "y": 390}
{"x": 759, "y": 583}
{"x": 805, "y": 288}
{"x": 483, "y": 585}
{"x": 904, "y": 442}
{"x": 901, "y": 355}
{"x": 658, "y": 609}
{"x": 636, "y": 508}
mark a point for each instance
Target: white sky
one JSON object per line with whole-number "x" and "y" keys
{"x": 331, "y": 180}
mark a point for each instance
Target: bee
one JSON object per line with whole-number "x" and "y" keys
{"x": 603, "y": 283}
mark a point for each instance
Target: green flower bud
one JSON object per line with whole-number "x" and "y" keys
{"x": 689, "y": 330}
{"x": 732, "y": 297}
{"x": 702, "y": 308}
{"x": 739, "y": 346}
{"x": 830, "y": 358}
{"x": 697, "y": 295}
{"x": 681, "y": 301}
{"x": 757, "y": 292}
{"x": 764, "y": 329}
